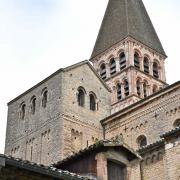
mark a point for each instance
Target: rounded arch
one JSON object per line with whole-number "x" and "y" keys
{"x": 33, "y": 104}
{"x": 176, "y": 123}
{"x": 136, "y": 50}
{"x": 92, "y": 100}
{"x": 119, "y": 52}
{"x": 111, "y": 56}
{"x": 81, "y": 96}
{"x": 44, "y": 97}
{"x": 141, "y": 141}
{"x": 22, "y": 110}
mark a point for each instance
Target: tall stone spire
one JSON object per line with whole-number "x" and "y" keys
{"x": 125, "y": 18}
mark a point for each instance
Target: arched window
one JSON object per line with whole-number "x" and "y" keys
{"x": 122, "y": 61}
{"x": 138, "y": 86}
{"x": 22, "y": 111}
{"x": 155, "y": 70}
{"x": 146, "y": 65}
{"x": 126, "y": 88}
{"x": 145, "y": 89}
{"x": 142, "y": 141}
{"x": 92, "y": 102}
{"x": 136, "y": 60}
{"x": 112, "y": 66}
{"x": 44, "y": 98}
{"x": 119, "y": 93}
{"x": 33, "y": 105}
{"x": 177, "y": 123}
{"x": 81, "y": 97}
{"x": 103, "y": 71}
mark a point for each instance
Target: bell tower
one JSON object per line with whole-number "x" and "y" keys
{"x": 128, "y": 54}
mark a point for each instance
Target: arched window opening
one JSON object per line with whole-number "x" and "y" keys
{"x": 33, "y": 105}
{"x": 103, "y": 71}
{"x": 126, "y": 88}
{"x": 119, "y": 93}
{"x": 22, "y": 111}
{"x": 136, "y": 60}
{"x": 138, "y": 86}
{"x": 146, "y": 65}
{"x": 155, "y": 70}
{"x": 112, "y": 66}
{"x": 44, "y": 99}
{"x": 81, "y": 97}
{"x": 145, "y": 89}
{"x": 92, "y": 102}
{"x": 142, "y": 141}
{"x": 177, "y": 123}
{"x": 122, "y": 61}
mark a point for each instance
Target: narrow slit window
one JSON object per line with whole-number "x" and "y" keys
{"x": 81, "y": 97}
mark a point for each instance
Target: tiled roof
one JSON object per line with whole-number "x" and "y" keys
{"x": 125, "y": 18}
{"x": 171, "y": 132}
{"x": 152, "y": 146}
{"x": 39, "y": 168}
{"x": 97, "y": 147}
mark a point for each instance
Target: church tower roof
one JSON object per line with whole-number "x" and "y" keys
{"x": 125, "y": 18}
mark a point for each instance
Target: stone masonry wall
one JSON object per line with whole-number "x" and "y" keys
{"x": 151, "y": 119}
{"x": 37, "y": 137}
{"x": 82, "y": 120}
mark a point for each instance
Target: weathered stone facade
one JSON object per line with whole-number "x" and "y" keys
{"x": 125, "y": 95}
{"x": 62, "y": 127}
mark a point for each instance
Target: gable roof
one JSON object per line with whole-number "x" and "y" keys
{"x": 91, "y": 67}
{"x": 100, "y": 146}
{"x": 63, "y": 70}
{"x": 38, "y": 168}
{"x": 125, "y": 18}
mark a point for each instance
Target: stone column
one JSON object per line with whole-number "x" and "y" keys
{"x": 117, "y": 64}
{"x": 107, "y": 70}
{"x": 151, "y": 68}
{"x": 141, "y": 63}
{"x": 122, "y": 90}
{"x": 102, "y": 173}
{"x": 142, "y": 89}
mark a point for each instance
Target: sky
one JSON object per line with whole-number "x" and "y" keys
{"x": 37, "y": 37}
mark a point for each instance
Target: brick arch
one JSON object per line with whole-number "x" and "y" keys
{"x": 136, "y": 50}
{"x": 120, "y": 51}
